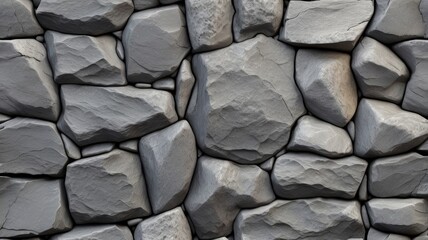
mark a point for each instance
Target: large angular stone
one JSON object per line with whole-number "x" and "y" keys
{"x": 333, "y": 24}
{"x": 184, "y": 82}
{"x": 316, "y": 136}
{"x": 98, "y": 114}
{"x": 31, "y": 146}
{"x": 404, "y": 175}
{"x": 91, "y": 17}
{"x": 402, "y": 216}
{"x": 327, "y": 84}
{"x": 31, "y": 207}
{"x": 155, "y": 42}
{"x": 309, "y": 219}
{"x": 96, "y": 232}
{"x": 18, "y": 19}
{"x": 304, "y": 175}
{"x": 245, "y": 100}
{"x": 384, "y": 129}
{"x": 219, "y": 190}
{"x": 84, "y": 59}
{"x": 107, "y": 188}
{"x": 378, "y": 235}
{"x": 169, "y": 159}
{"x": 26, "y": 85}
{"x": 209, "y": 23}
{"x": 379, "y": 72}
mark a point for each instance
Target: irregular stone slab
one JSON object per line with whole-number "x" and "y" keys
{"x": 130, "y": 145}
{"x": 402, "y": 216}
{"x": 414, "y": 53}
{"x": 234, "y": 186}
{"x": 404, "y": 175}
{"x": 96, "y": 232}
{"x": 379, "y": 72}
{"x": 97, "y": 149}
{"x": 316, "y": 136}
{"x": 168, "y": 225}
{"x": 322, "y": 27}
{"x": 396, "y": 21}
{"x": 155, "y": 43}
{"x": 26, "y": 85}
{"x": 254, "y": 17}
{"x": 304, "y": 175}
{"x": 32, "y": 207}
{"x": 91, "y": 17}
{"x": 309, "y": 219}
{"x": 423, "y": 148}
{"x": 245, "y": 100}
{"x": 107, "y": 188}
{"x": 18, "y": 19}
{"x": 209, "y": 24}
{"x": 96, "y": 114}
{"x": 378, "y": 124}
{"x": 70, "y": 147}
{"x": 169, "y": 159}
{"x": 167, "y": 84}
{"x": 184, "y": 84}
{"x": 31, "y": 146}
{"x": 327, "y": 84}
{"x": 376, "y": 235}
{"x": 84, "y": 59}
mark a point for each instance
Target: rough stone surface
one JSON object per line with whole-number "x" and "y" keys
{"x": 70, "y": 147}
{"x": 107, "y": 188}
{"x": 97, "y": 232}
{"x": 167, "y": 84}
{"x": 184, "y": 84}
{"x": 97, "y": 149}
{"x": 245, "y": 100}
{"x": 155, "y": 42}
{"x": 130, "y": 145}
{"x": 309, "y": 219}
{"x": 377, "y": 235}
{"x": 327, "y": 84}
{"x": 18, "y": 19}
{"x": 144, "y": 4}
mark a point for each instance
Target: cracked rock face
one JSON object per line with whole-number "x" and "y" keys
{"x": 245, "y": 101}
{"x": 96, "y": 232}
{"x": 18, "y": 19}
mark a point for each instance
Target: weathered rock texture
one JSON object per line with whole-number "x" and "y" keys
{"x": 17, "y": 19}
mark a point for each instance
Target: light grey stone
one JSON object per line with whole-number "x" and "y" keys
{"x": 281, "y": 152}
{"x": 134, "y": 222}
{"x": 245, "y": 100}
{"x": 18, "y": 20}
{"x": 96, "y": 114}
{"x": 219, "y": 190}
{"x": 351, "y": 129}
{"x": 91, "y": 17}
{"x": 304, "y": 175}
{"x": 155, "y": 43}
{"x": 363, "y": 194}
{"x": 32, "y": 207}
{"x": 96, "y": 232}
{"x": 327, "y": 84}
{"x": 84, "y": 59}
{"x": 40, "y": 38}
{"x": 143, "y": 85}
{"x": 378, "y": 124}
{"x": 167, "y": 84}
{"x": 130, "y": 145}
{"x": 268, "y": 164}
{"x": 333, "y": 24}
{"x": 209, "y": 24}
{"x": 365, "y": 217}
{"x": 71, "y": 148}
{"x": 97, "y": 149}
{"x": 26, "y": 85}
{"x": 423, "y": 148}
{"x": 309, "y": 219}
{"x": 378, "y": 235}
{"x": 119, "y": 50}
{"x": 316, "y": 136}
{"x": 402, "y": 216}
{"x": 144, "y": 4}
{"x": 378, "y": 71}
{"x": 184, "y": 85}
{"x": 31, "y": 146}
{"x": 4, "y": 118}
{"x": 107, "y": 188}
{"x": 422, "y": 236}
{"x": 169, "y": 159}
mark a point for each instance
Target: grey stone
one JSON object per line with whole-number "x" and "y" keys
{"x": 423, "y": 148}
{"x": 365, "y": 217}
{"x": 91, "y": 17}
{"x": 18, "y": 20}
{"x": 363, "y": 194}
{"x": 316, "y": 136}
{"x": 396, "y": 20}
{"x": 184, "y": 85}
{"x": 96, "y": 114}
{"x": 168, "y": 225}
{"x": 377, "y": 235}
{"x": 219, "y": 190}
{"x": 253, "y": 17}
{"x": 351, "y": 129}
{"x": 209, "y": 24}
{"x": 144, "y": 4}
{"x": 134, "y": 222}
{"x": 378, "y": 124}
{"x": 96, "y": 232}
{"x": 32, "y": 207}
{"x": 40, "y": 38}
{"x": 97, "y": 149}
{"x": 378, "y": 71}
{"x": 245, "y": 100}
{"x": 333, "y": 24}
{"x": 118, "y": 34}
{"x": 268, "y": 164}
{"x": 107, "y": 188}
{"x": 169, "y": 159}
{"x": 70, "y": 147}
{"x": 327, "y": 84}
{"x": 423, "y": 8}
{"x": 155, "y": 43}
{"x": 167, "y": 84}
{"x": 119, "y": 50}
{"x": 309, "y": 219}
{"x": 403, "y": 175}
{"x": 130, "y": 145}
{"x": 304, "y": 175}
{"x": 84, "y": 59}
{"x": 31, "y": 146}
{"x": 4, "y": 118}
{"x": 402, "y": 216}
{"x": 26, "y": 85}
{"x": 422, "y": 236}
{"x": 143, "y": 85}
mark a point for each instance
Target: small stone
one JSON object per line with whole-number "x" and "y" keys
{"x": 97, "y": 149}
{"x": 18, "y": 20}
{"x": 143, "y": 85}
{"x": 96, "y": 232}
{"x": 377, "y": 235}
{"x": 118, "y": 34}
{"x": 167, "y": 84}
{"x": 351, "y": 129}
{"x": 363, "y": 194}
{"x": 184, "y": 84}
{"x": 71, "y": 149}
{"x": 423, "y": 148}
{"x": 40, "y": 38}
{"x": 130, "y": 145}
{"x": 4, "y": 118}
{"x": 268, "y": 164}
{"x": 134, "y": 222}
{"x": 365, "y": 217}
{"x": 119, "y": 50}
{"x": 144, "y": 4}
